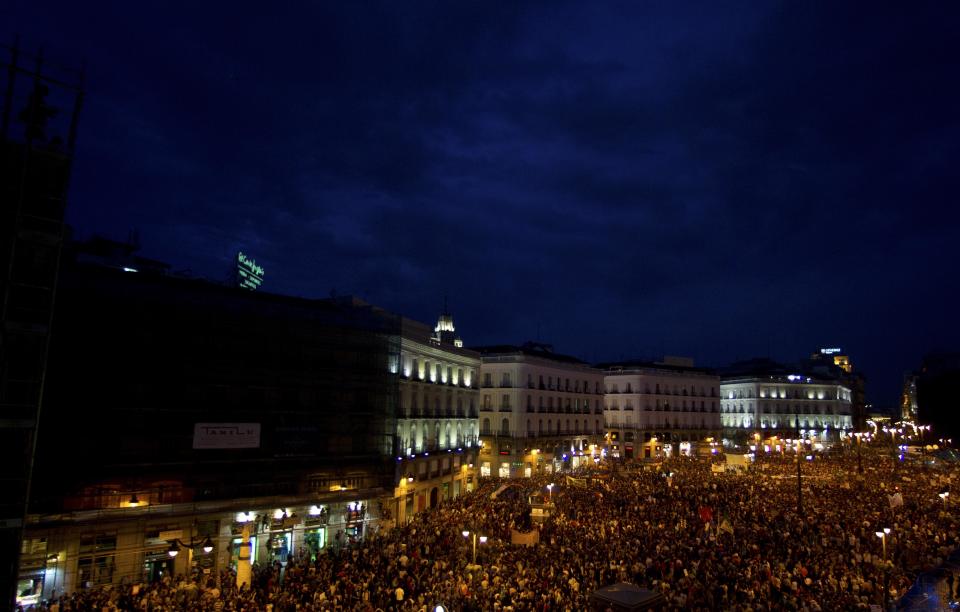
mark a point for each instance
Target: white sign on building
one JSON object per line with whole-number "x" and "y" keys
{"x": 226, "y": 435}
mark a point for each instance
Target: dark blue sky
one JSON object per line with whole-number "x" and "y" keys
{"x": 717, "y": 180}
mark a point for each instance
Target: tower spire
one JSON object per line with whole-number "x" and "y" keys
{"x": 444, "y": 332}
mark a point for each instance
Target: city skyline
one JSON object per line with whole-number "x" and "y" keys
{"x": 619, "y": 181}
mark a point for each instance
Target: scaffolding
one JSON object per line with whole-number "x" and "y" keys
{"x": 38, "y": 128}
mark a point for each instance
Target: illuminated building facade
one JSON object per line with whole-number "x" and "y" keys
{"x": 540, "y": 411}
{"x": 767, "y": 398}
{"x": 652, "y": 409}
{"x": 437, "y": 435}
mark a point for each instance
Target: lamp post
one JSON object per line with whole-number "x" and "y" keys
{"x": 799, "y": 476}
{"x": 886, "y": 574}
{"x": 883, "y": 539}
{"x": 550, "y": 492}
{"x": 923, "y": 445}
{"x": 944, "y": 495}
{"x": 177, "y": 544}
{"x": 859, "y": 458}
{"x": 483, "y": 540}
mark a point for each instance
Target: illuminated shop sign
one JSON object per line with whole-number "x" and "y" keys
{"x": 249, "y": 274}
{"x": 831, "y": 351}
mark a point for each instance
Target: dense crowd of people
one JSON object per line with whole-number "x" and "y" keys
{"x": 705, "y": 539}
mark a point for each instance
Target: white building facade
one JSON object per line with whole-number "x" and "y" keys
{"x": 653, "y": 409}
{"x": 539, "y": 411}
{"x": 785, "y": 406}
{"x": 437, "y": 432}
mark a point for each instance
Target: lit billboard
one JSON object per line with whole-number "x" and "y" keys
{"x": 249, "y": 274}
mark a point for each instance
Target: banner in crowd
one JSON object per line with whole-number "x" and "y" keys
{"x": 524, "y": 539}
{"x": 896, "y": 500}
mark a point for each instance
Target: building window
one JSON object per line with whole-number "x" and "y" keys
{"x": 96, "y": 562}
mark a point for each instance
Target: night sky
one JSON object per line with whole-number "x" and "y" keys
{"x": 714, "y": 180}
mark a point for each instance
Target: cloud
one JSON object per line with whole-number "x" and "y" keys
{"x": 625, "y": 178}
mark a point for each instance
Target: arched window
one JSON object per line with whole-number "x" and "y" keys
{"x": 505, "y": 427}
{"x": 486, "y": 427}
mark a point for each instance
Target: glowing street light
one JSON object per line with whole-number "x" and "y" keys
{"x": 944, "y": 497}
{"x": 483, "y": 540}
{"x": 550, "y": 491}
{"x": 883, "y": 538}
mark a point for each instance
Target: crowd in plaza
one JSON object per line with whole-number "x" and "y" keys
{"x": 706, "y": 540}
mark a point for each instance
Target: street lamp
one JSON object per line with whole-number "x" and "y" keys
{"x": 886, "y": 573}
{"x": 550, "y": 491}
{"x": 859, "y": 458}
{"x": 177, "y": 544}
{"x": 483, "y": 540}
{"x": 883, "y": 538}
{"x": 799, "y": 476}
{"x": 944, "y": 495}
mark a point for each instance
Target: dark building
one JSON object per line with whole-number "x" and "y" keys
{"x": 139, "y": 360}
{"x": 207, "y": 406}
{"x": 38, "y": 121}
{"x": 936, "y": 388}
